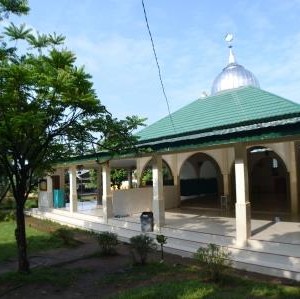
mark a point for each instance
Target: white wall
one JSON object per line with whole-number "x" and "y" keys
{"x": 171, "y": 197}
{"x": 208, "y": 170}
{"x": 132, "y": 201}
{"x": 188, "y": 171}
{"x": 45, "y": 199}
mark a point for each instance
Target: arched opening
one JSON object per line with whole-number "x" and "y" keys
{"x": 146, "y": 176}
{"x": 201, "y": 182}
{"x": 268, "y": 181}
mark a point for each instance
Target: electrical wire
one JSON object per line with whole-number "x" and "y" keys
{"x": 158, "y": 67}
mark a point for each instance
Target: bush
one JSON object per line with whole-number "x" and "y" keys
{"x": 142, "y": 245}
{"x": 7, "y": 203}
{"x": 162, "y": 240}
{"x": 216, "y": 260}
{"x": 108, "y": 242}
{"x": 66, "y": 235}
{"x": 31, "y": 203}
{"x": 7, "y": 215}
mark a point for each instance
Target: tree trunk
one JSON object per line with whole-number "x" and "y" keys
{"x": 20, "y": 234}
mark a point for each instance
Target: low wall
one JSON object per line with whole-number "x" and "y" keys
{"x": 171, "y": 197}
{"x": 132, "y": 201}
{"x": 137, "y": 200}
{"x": 45, "y": 199}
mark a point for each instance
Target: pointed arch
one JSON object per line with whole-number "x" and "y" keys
{"x": 201, "y": 181}
{"x": 146, "y": 174}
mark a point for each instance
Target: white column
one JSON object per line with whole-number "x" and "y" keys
{"x": 49, "y": 184}
{"x": 293, "y": 180}
{"x": 129, "y": 172}
{"x": 177, "y": 185}
{"x": 226, "y": 183}
{"x": 73, "y": 189}
{"x": 107, "y": 193}
{"x": 99, "y": 185}
{"x": 61, "y": 178}
{"x": 46, "y": 195}
{"x": 158, "y": 194}
{"x": 242, "y": 206}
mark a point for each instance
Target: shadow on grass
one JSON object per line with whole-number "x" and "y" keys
{"x": 53, "y": 275}
{"x": 8, "y": 250}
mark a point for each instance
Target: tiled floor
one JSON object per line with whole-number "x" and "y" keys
{"x": 213, "y": 222}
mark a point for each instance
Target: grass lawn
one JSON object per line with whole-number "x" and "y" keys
{"x": 195, "y": 289}
{"x": 36, "y": 240}
{"x": 186, "y": 282}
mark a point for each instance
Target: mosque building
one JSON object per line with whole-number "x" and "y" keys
{"x": 230, "y": 159}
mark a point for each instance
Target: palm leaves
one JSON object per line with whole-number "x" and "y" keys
{"x": 36, "y": 41}
{"x": 16, "y": 33}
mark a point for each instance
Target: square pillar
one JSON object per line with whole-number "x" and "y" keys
{"x": 61, "y": 174}
{"x": 73, "y": 189}
{"x": 294, "y": 181}
{"x": 46, "y": 194}
{"x": 176, "y": 179}
{"x": 158, "y": 203}
{"x": 242, "y": 206}
{"x": 99, "y": 185}
{"x": 129, "y": 173}
{"x": 226, "y": 183}
{"x": 107, "y": 193}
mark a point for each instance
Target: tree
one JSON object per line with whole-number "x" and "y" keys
{"x": 117, "y": 176}
{"x": 48, "y": 112}
{"x": 17, "y": 7}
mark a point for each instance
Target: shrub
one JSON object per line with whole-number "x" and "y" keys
{"x": 66, "y": 235}
{"x": 142, "y": 245}
{"x": 108, "y": 242}
{"x": 8, "y": 203}
{"x": 216, "y": 260}
{"x": 162, "y": 240}
{"x": 7, "y": 215}
{"x": 31, "y": 203}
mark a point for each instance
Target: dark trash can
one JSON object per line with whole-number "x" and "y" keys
{"x": 147, "y": 222}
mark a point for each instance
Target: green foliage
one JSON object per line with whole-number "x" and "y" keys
{"x": 31, "y": 203}
{"x": 146, "y": 177}
{"x": 66, "y": 235}
{"x": 17, "y": 7}
{"x": 7, "y": 203}
{"x": 194, "y": 289}
{"x": 36, "y": 240}
{"x": 49, "y": 111}
{"x": 108, "y": 242}
{"x": 7, "y": 215}
{"x": 215, "y": 259}
{"x": 161, "y": 239}
{"x": 142, "y": 245}
{"x": 117, "y": 176}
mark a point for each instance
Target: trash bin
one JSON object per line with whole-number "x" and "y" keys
{"x": 147, "y": 222}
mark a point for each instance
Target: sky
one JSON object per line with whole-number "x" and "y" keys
{"x": 110, "y": 38}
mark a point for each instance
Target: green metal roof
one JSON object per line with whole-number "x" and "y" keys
{"x": 228, "y": 109}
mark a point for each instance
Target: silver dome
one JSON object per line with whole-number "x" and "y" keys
{"x": 233, "y": 76}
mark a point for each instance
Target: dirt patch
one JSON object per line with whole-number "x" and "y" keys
{"x": 100, "y": 277}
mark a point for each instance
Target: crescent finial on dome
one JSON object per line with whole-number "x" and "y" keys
{"x": 233, "y": 75}
{"x": 229, "y": 39}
